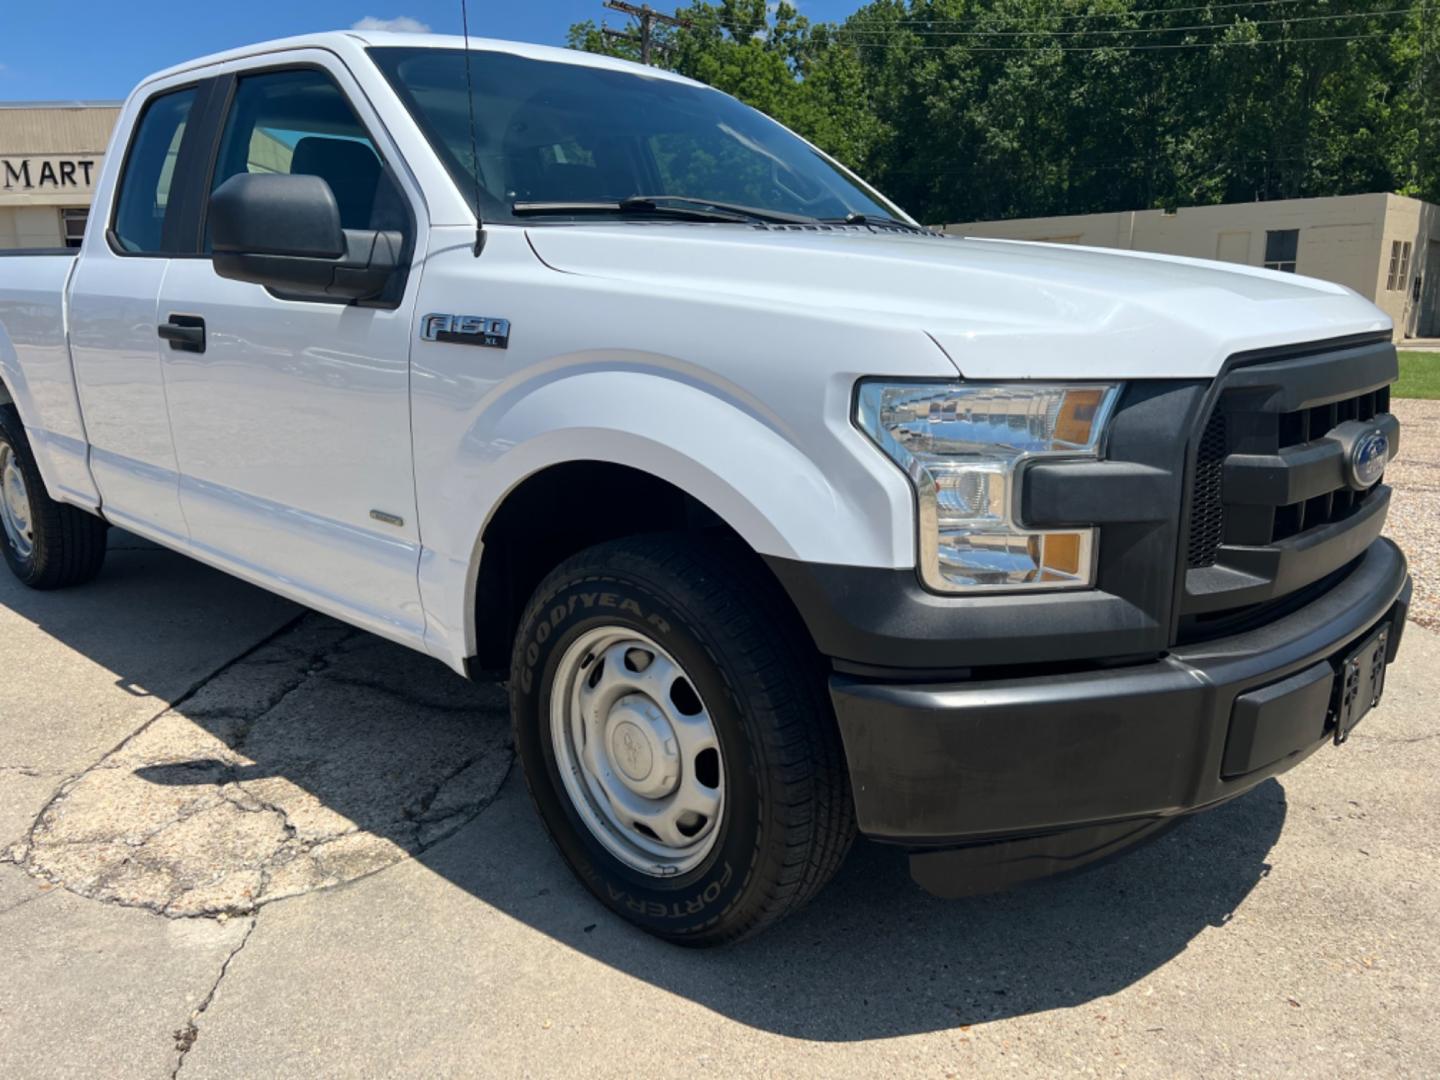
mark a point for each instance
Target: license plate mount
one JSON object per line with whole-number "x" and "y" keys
{"x": 1360, "y": 682}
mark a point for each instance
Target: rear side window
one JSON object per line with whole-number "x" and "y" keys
{"x": 299, "y": 122}
{"x": 144, "y": 192}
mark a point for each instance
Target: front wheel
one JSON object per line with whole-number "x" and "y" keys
{"x": 46, "y": 544}
{"x": 671, "y": 720}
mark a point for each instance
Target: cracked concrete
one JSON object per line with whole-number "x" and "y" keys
{"x": 84, "y": 668}
{"x": 185, "y": 1036}
{"x": 94, "y": 989}
{"x": 322, "y": 757}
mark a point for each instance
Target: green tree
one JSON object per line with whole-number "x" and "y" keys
{"x": 964, "y": 109}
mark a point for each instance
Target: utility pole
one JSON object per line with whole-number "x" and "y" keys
{"x": 648, "y": 17}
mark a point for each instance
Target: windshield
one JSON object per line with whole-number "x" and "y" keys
{"x": 569, "y": 133}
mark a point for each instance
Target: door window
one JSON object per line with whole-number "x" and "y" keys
{"x": 144, "y": 194}
{"x": 298, "y": 122}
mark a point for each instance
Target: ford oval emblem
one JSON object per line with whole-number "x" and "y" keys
{"x": 1368, "y": 457}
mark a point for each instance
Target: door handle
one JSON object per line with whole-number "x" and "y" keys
{"x": 185, "y": 333}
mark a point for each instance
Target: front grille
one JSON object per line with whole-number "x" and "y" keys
{"x": 1270, "y": 506}
{"x": 1293, "y": 429}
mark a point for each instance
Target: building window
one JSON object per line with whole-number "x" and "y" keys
{"x": 1399, "y": 265}
{"x": 1280, "y": 248}
{"x": 72, "y": 226}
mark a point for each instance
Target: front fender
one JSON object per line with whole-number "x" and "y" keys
{"x": 812, "y": 491}
{"x": 762, "y": 477}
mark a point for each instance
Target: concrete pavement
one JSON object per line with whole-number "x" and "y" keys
{"x": 243, "y": 840}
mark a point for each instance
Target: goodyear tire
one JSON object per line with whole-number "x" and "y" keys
{"x": 46, "y": 544}
{"x": 672, "y": 723}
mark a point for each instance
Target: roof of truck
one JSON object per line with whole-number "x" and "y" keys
{"x": 347, "y": 41}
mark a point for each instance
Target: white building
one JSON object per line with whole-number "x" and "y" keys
{"x": 50, "y": 155}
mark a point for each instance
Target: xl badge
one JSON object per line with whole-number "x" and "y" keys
{"x": 466, "y": 330}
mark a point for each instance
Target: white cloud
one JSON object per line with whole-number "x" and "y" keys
{"x": 403, "y": 24}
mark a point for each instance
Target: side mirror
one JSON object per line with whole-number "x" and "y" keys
{"x": 284, "y": 232}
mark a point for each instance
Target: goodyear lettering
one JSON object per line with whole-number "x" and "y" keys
{"x": 549, "y": 625}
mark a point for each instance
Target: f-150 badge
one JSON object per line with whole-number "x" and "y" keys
{"x": 466, "y": 330}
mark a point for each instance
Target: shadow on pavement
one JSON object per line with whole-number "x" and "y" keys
{"x": 872, "y": 957}
{"x": 153, "y": 618}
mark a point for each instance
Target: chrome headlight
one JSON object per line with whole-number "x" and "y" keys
{"x": 964, "y": 446}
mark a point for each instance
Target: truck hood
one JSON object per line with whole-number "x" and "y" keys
{"x": 998, "y": 308}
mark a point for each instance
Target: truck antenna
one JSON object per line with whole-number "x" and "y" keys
{"x": 474, "y": 140}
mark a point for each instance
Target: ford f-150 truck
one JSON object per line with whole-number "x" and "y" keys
{"x": 787, "y": 516}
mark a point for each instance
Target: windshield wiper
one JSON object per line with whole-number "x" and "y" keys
{"x": 632, "y": 205}
{"x": 684, "y": 207}
{"x": 754, "y": 213}
{"x": 857, "y": 218}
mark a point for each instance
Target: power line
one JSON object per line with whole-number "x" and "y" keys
{"x": 898, "y": 26}
{"x": 847, "y": 32}
{"x": 1040, "y": 47}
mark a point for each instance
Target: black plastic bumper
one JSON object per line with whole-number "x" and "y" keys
{"x": 1085, "y": 761}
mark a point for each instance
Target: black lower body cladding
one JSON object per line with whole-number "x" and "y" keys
{"x": 1019, "y": 776}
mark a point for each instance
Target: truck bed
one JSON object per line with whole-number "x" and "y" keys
{"x": 35, "y": 367}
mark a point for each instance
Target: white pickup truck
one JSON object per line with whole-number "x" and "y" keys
{"x": 786, "y": 515}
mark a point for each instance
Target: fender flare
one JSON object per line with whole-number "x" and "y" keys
{"x": 728, "y": 453}
{"x": 725, "y": 452}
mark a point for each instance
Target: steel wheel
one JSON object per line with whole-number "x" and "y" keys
{"x": 15, "y": 511}
{"x": 637, "y": 751}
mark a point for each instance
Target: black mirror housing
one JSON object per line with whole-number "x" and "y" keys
{"x": 276, "y": 214}
{"x": 284, "y": 232}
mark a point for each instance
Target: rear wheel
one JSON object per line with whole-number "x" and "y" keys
{"x": 675, "y": 735}
{"x": 47, "y": 545}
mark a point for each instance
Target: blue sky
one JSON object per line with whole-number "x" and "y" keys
{"x": 95, "y": 49}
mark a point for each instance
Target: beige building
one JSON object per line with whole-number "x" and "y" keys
{"x": 1385, "y": 247}
{"x": 50, "y": 155}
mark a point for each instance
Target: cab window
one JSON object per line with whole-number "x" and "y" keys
{"x": 299, "y": 122}
{"x": 144, "y": 193}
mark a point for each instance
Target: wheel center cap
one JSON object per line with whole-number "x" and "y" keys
{"x": 632, "y": 751}
{"x": 642, "y": 747}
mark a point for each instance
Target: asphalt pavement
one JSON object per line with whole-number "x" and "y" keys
{"x": 239, "y": 839}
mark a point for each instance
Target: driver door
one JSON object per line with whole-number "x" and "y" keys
{"x": 291, "y": 417}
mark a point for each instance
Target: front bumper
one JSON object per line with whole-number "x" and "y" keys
{"x": 1024, "y": 776}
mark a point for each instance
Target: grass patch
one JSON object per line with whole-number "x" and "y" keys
{"x": 1419, "y": 375}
